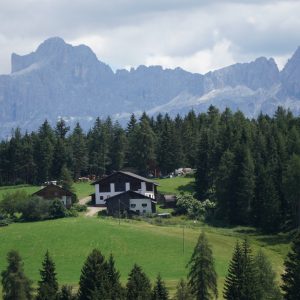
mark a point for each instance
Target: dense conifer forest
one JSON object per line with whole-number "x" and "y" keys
{"x": 250, "y": 168}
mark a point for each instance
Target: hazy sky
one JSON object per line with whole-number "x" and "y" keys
{"x": 196, "y": 35}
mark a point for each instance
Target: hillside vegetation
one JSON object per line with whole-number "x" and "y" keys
{"x": 155, "y": 248}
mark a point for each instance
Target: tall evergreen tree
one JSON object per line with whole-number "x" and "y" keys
{"x": 66, "y": 293}
{"x": 66, "y": 179}
{"x": 291, "y": 275}
{"x": 93, "y": 283}
{"x": 47, "y": 286}
{"x": 113, "y": 276}
{"x": 138, "y": 285}
{"x": 202, "y": 275}
{"x": 79, "y": 151}
{"x": 15, "y": 284}
{"x": 241, "y": 280}
{"x": 182, "y": 291}
{"x": 160, "y": 291}
{"x": 266, "y": 276}
{"x": 292, "y": 189}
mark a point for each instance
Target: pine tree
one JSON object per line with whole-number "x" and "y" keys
{"x": 93, "y": 282}
{"x": 66, "y": 293}
{"x": 291, "y": 276}
{"x": 202, "y": 275}
{"x": 15, "y": 285}
{"x": 292, "y": 189}
{"x": 47, "y": 286}
{"x": 182, "y": 291}
{"x": 266, "y": 278}
{"x": 225, "y": 187}
{"x": 160, "y": 291}
{"x": 115, "y": 288}
{"x": 241, "y": 280}
{"x": 79, "y": 151}
{"x": 138, "y": 285}
{"x": 66, "y": 179}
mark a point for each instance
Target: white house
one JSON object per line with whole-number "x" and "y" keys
{"x": 120, "y": 182}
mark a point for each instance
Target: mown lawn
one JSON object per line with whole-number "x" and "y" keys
{"x": 176, "y": 185}
{"x": 82, "y": 189}
{"x": 155, "y": 248}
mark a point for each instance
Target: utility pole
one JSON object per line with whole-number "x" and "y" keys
{"x": 119, "y": 213}
{"x": 183, "y": 239}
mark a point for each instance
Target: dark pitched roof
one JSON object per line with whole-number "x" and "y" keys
{"x": 132, "y": 193}
{"x": 128, "y": 174}
{"x": 67, "y": 193}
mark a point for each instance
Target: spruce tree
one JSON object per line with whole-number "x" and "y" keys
{"x": 202, "y": 275}
{"x": 291, "y": 275}
{"x": 93, "y": 283}
{"x": 241, "y": 280}
{"x": 182, "y": 291}
{"x": 160, "y": 291}
{"x": 266, "y": 278}
{"x": 66, "y": 293}
{"x": 113, "y": 276}
{"x": 138, "y": 285}
{"x": 47, "y": 286}
{"x": 15, "y": 285}
{"x": 66, "y": 179}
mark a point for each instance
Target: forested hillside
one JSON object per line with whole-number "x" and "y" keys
{"x": 250, "y": 168}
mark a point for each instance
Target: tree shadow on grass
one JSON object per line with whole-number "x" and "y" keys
{"x": 187, "y": 188}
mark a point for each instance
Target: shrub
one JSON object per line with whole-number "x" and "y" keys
{"x": 35, "y": 209}
{"x": 193, "y": 208}
{"x": 57, "y": 209}
{"x": 79, "y": 207}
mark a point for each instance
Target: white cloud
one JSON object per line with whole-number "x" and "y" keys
{"x": 192, "y": 34}
{"x": 200, "y": 62}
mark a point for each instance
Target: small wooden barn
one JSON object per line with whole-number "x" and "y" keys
{"x": 53, "y": 191}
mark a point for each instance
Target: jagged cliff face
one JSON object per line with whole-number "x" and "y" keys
{"x": 59, "y": 80}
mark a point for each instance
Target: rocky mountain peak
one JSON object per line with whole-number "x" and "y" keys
{"x": 290, "y": 75}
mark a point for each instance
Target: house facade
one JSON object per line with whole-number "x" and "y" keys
{"x": 130, "y": 202}
{"x": 120, "y": 182}
{"x": 53, "y": 191}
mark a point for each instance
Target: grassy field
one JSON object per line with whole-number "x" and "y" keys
{"x": 155, "y": 248}
{"x": 82, "y": 189}
{"x": 176, "y": 185}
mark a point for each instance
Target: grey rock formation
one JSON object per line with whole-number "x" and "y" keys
{"x": 60, "y": 80}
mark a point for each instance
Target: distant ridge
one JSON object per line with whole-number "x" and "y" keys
{"x": 61, "y": 80}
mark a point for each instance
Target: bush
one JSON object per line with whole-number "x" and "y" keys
{"x": 11, "y": 202}
{"x": 71, "y": 212}
{"x": 79, "y": 207}
{"x": 193, "y": 208}
{"x": 35, "y": 209}
{"x": 57, "y": 209}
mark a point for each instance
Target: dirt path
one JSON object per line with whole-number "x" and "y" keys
{"x": 91, "y": 210}
{"x": 84, "y": 200}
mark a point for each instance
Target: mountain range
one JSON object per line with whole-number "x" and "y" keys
{"x": 59, "y": 80}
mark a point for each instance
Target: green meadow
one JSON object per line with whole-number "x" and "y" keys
{"x": 158, "y": 249}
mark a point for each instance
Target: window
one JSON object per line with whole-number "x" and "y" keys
{"x": 104, "y": 187}
{"x": 144, "y": 204}
{"x": 144, "y": 211}
{"x": 101, "y": 197}
{"x": 132, "y": 205}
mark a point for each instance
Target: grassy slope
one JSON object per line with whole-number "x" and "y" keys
{"x": 157, "y": 249}
{"x": 82, "y": 189}
{"x": 175, "y": 185}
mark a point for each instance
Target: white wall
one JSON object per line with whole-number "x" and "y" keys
{"x": 112, "y": 192}
{"x": 138, "y": 205}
